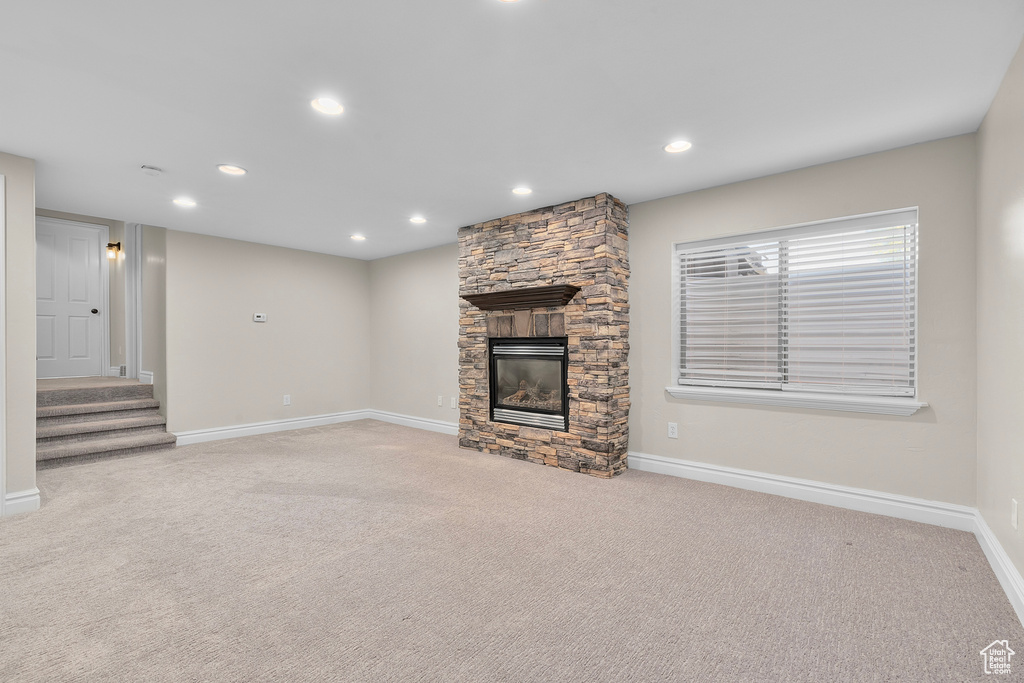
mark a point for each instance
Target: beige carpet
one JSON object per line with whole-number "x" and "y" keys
{"x": 371, "y": 552}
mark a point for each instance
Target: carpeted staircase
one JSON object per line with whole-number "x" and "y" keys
{"x": 94, "y": 417}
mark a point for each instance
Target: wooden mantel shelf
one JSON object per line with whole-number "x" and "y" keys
{"x": 527, "y": 297}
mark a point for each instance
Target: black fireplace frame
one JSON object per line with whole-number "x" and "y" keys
{"x": 508, "y": 414}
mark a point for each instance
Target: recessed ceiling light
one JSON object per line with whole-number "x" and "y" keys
{"x": 417, "y": 219}
{"x": 231, "y": 169}
{"x": 185, "y": 201}
{"x": 521, "y": 190}
{"x": 678, "y": 146}
{"x": 358, "y": 238}
{"x": 327, "y": 105}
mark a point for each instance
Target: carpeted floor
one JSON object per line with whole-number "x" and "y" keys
{"x": 371, "y": 552}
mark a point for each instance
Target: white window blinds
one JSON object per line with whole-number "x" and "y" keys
{"x": 826, "y": 307}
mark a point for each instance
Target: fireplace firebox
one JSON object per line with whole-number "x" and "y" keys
{"x": 528, "y": 381}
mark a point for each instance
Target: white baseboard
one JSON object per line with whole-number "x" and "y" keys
{"x": 1008, "y": 575}
{"x": 451, "y": 428}
{"x": 113, "y": 372}
{"x": 946, "y": 515}
{"x": 21, "y": 501}
{"x": 891, "y": 505}
{"x": 235, "y": 431}
{"x": 145, "y": 377}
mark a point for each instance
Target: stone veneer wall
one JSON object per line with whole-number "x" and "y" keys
{"x": 582, "y": 243}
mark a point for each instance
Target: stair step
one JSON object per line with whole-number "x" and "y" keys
{"x": 121, "y": 445}
{"x": 80, "y": 437}
{"x": 86, "y": 412}
{"x": 99, "y": 393}
{"x": 89, "y": 418}
{"x": 100, "y": 426}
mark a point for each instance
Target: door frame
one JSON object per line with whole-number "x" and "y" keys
{"x": 3, "y": 346}
{"x": 104, "y": 233}
{"x": 133, "y": 299}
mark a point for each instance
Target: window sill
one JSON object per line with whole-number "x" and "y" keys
{"x": 881, "y": 405}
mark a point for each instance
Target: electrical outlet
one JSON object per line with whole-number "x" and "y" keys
{"x": 455, "y": 402}
{"x": 287, "y": 399}
{"x": 673, "y": 430}
{"x": 440, "y": 400}
{"x": 1013, "y": 512}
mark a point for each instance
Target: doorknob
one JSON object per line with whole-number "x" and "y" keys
{"x": 95, "y": 311}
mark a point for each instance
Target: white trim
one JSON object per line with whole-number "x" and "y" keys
{"x": 677, "y": 317}
{"x": 21, "y": 501}
{"x": 113, "y": 371}
{"x": 235, "y": 431}
{"x": 145, "y": 377}
{"x": 133, "y": 298}
{"x": 908, "y": 215}
{"x": 3, "y": 345}
{"x": 440, "y": 426}
{"x": 218, "y": 433}
{"x": 933, "y": 512}
{"x": 881, "y": 405}
{"x": 1008, "y": 575}
{"x": 891, "y": 505}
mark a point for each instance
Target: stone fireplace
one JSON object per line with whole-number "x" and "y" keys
{"x": 544, "y": 293}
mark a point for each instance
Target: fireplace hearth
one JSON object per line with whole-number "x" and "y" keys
{"x": 528, "y": 382}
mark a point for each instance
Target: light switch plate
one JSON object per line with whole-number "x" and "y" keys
{"x": 259, "y": 317}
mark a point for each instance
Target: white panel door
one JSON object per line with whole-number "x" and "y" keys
{"x": 70, "y": 298}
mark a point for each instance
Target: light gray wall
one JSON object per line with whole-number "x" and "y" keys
{"x": 115, "y": 309}
{"x": 414, "y": 328}
{"x": 1001, "y": 311}
{"x": 928, "y": 455}
{"x": 223, "y": 369}
{"x": 20, "y": 309}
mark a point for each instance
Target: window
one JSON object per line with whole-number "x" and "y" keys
{"x": 819, "y": 315}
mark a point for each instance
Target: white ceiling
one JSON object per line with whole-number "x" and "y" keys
{"x": 450, "y": 104}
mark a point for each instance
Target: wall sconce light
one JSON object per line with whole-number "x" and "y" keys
{"x": 112, "y": 249}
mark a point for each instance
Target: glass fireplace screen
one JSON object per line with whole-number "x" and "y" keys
{"x": 529, "y": 383}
